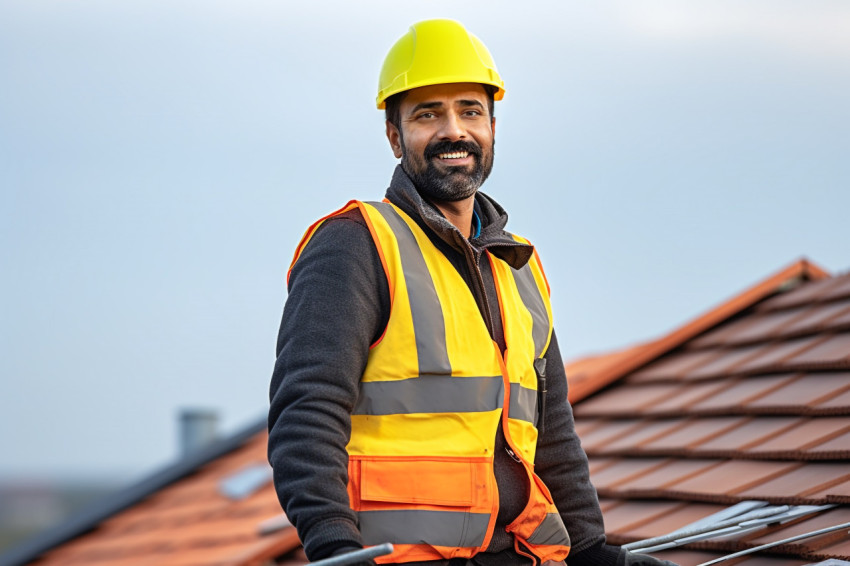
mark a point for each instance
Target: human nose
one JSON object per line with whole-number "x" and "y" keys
{"x": 452, "y": 127}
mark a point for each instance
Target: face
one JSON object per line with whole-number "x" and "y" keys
{"x": 446, "y": 139}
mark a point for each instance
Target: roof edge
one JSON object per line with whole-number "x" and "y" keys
{"x": 100, "y": 510}
{"x": 803, "y": 268}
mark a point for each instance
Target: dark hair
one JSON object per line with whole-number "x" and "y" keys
{"x": 393, "y": 109}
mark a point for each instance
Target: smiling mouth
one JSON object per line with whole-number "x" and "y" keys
{"x": 454, "y": 155}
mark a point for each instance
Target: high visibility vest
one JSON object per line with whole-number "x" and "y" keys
{"x": 435, "y": 390}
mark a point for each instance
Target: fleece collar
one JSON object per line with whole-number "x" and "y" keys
{"x": 492, "y": 238}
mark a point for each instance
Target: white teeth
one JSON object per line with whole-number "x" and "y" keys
{"x": 454, "y": 155}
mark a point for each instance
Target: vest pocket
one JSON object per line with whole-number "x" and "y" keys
{"x": 422, "y": 481}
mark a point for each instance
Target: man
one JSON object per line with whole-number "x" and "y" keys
{"x": 419, "y": 395}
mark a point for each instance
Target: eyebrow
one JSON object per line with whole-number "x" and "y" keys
{"x": 431, "y": 105}
{"x": 425, "y": 106}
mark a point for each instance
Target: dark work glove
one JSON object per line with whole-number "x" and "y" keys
{"x": 627, "y": 558}
{"x": 602, "y": 554}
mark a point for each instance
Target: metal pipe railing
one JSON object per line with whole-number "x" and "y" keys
{"x": 356, "y": 556}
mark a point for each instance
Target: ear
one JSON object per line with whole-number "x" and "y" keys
{"x": 394, "y": 137}
{"x": 493, "y": 125}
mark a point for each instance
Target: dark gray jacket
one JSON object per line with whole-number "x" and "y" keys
{"x": 338, "y": 305}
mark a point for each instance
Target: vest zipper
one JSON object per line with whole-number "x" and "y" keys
{"x": 511, "y": 453}
{"x": 473, "y": 258}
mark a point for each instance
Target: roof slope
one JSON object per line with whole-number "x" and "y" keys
{"x": 219, "y": 508}
{"x": 755, "y": 406}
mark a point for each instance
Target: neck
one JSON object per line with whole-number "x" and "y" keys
{"x": 458, "y": 213}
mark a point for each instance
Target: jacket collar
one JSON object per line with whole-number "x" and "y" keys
{"x": 493, "y": 237}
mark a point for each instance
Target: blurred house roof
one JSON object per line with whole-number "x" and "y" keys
{"x": 750, "y": 401}
{"x": 217, "y": 507}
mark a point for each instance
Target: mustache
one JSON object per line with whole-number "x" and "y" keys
{"x": 445, "y": 146}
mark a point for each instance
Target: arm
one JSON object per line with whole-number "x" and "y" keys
{"x": 337, "y": 306}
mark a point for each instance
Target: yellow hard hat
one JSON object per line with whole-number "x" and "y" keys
{"x": 437, "y": 52}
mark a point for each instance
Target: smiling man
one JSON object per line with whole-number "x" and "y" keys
{"x": 419, "y": 395}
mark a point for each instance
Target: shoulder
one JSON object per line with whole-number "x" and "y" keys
{"x": 339, "y": 247}
{"x": 343, "y": 229}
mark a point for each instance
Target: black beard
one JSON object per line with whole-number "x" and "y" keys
{"x": 455, "y": 184}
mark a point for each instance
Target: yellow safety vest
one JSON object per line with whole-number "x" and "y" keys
{"x": 432, "y": 397}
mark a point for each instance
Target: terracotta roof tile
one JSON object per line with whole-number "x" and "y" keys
{"x": 630, "y": 515}
{"x": 693, "y": 433}
{"x": 776, "y": 356}
{"x": 721, "y": 335}
{"x": 839, "y": 402}
{"x": 738, "y": 393}
{"x": 623, "y": 470}
{"x": 842, "y": 320}
{"x": 627, "y": 400}
{"x": 660, "y": 478}
{"x": 684, "y": 514}
{"x": 727, "y": 361}
{"x": 807, "y": 391}
{"x": 766, "y": 325}
{"x": 840, "y": 289}
{"x": 685, "y": 397}
{"x": 838, "y": 493}
{"x": 750, "y": 433}
{"x": 596, "y": 464}
{"x": 805, "y": 294}
{"x": 731, "y": 477}
{"x": 835, "y": 351}
{"x": 799, "y": 483}
{"x": 817, "y": 317}
{"x": 646, "y": 431}
{"x": 584, "y": 425}
{"x": 837, "y": 447}
{"x": 673, "y": 366}
{"x": 601, "y": 435}
{"x": 808, "y": 434}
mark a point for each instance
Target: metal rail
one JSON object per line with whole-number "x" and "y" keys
{"x": 356, "y": 556}
{"x": 735, "y": 525}
{"x": 777, "y": 543}
{"x": 685, "y": 533}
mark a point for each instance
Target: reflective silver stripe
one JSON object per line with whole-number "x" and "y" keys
{"x": 523, "y": 403}
{"x": 530, "y": 293}
{"x": 428, "y": 324}
{"x": 550, "y": 532}
{"x": 437, "y": 528}
{"x": 431, "y": 394}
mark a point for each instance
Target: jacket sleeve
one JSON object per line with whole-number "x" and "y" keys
{"x": 562, "y": 464}
{"x": 337, "y": 300}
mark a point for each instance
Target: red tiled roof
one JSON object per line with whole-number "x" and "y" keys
{"x": 190, "y": 523}
{"x": 751, "y": 401}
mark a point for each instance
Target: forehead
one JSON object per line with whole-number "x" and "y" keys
{"x": 447, "y": 94}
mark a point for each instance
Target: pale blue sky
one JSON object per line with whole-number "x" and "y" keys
{"x": 159, "y": 161}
